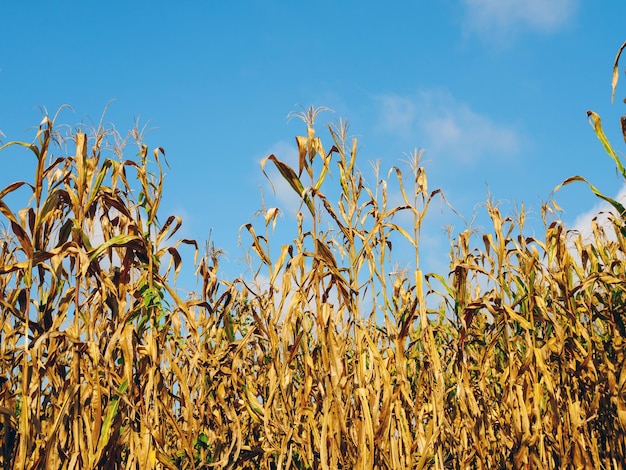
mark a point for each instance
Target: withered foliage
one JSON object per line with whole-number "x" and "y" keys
{"x": 329, "y": 356}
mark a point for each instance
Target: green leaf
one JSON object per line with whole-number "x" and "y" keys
{"x": 32, "y": 147}
{"x": 118, "y": 240}
{"x": 110, "y": 416}
{"x": 99, "y": 179}
{"x": 290, "y": 176}
{"x": 596, "y": 123}
{"x": 618, "y": 206}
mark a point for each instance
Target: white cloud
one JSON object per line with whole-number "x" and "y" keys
{"x": 498, "y": 19}
{"x": 448, "y": 126}
{"x": 398, "y": 114}
{"x": 600, "y": 212}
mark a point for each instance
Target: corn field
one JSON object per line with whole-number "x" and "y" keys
{"x": 328, "y": 356}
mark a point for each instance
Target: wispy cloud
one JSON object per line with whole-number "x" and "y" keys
{"x": 446, "y": 126}
{"x": 500, "y": 19}
{"x": 600, "y": 212}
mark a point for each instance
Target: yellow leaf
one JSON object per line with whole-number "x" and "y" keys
{"x": 616, "y": 71}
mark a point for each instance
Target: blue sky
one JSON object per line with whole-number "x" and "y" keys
{"x": 495, "y": 91}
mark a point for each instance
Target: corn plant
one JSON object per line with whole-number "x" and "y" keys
{"x": 596, "y": 123}
{"x": 337, "y": 352}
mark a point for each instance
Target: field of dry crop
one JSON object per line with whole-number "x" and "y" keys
{"x": 337, "y": 361}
